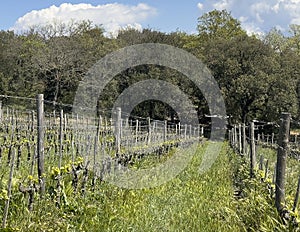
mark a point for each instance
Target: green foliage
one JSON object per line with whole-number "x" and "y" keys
{"x": 250, "y": 75}
{"x": 256, "y": 196}
{"x": 254, "y": 203}
{"x": 276, "y": 40}
{"x": 189, "y": 201}
{"x": 259, "y": 78}
{"x": 219, "y": 24}
{"x": 294, "y": 40}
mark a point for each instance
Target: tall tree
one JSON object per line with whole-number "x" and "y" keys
{"x": 247, "y": 71}
{"x": 19, "y": 72}
{"x": 219, "y": 24}
{"x": 276, "y": 40}
{"x": 294, "y": 40}
{"x": 68, "y": 54}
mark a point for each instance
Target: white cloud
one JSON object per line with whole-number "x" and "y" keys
{"x": 259, "y": 16}
{"x": 200, "y": 6}
{"x": 111, "y": 16}
{"x": 221, "y": 5}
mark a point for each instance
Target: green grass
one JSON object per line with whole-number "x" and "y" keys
{"x": 292, "y": 173}
{"x": 189, "y": 202}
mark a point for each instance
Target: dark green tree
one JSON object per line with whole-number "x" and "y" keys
{"x": 218, "y": 24}
{"x": 247, "y": 71}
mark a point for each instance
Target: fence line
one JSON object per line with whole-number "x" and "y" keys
{"x": 283, "y": 144}
{"x": 35, "y": 139}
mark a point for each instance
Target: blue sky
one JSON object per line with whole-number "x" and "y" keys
{"x": 169, "y": 16}
{"x": 257, "y": 16}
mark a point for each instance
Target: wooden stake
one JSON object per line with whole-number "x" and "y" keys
{"x": 40, "y": 143}
{"x": 6, "y": 207}
{"x": 136, "y": 131}
{"x": 1, "y": 111}
{"x": 297, "y": 196}
{"x": 165, "y": 130}
{"x": 61, "y": 130}
{"x": 240, "y": 138}
{"x": 244, "y": 144}
{"x": 118, "y": 131}
{"x": 282, "y": 153}
{"x": 252, "y": 150}
{"x": 149, "y": 130}
{"x": 235, "y": 137}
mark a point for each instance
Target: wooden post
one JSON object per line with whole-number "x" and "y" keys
{"x": 136, "y": 131}
{"x": 240, "y": 138}
{"x": 282, "y": 153}
{"x": 149, "y": 130}
{"x": 165, "y": 130}
{"x": 54, "y": 116}
{"x": 261, "y": 163}
{"x": 118, "y": 131}
{"x": 111, "y": 124}
{"x": 61, "y": 130}
{"x": 297, "y": 195}
{"x": 230, "y": 137}
{"x": 31, "y": 193}
{"x": 6, "y": 207}
{"x": 65, "y": 122}
{"x": 235, "y": 137}
{"x": 32, "y": 124}
{"x": 244, "y": 144}
{"x": 154, "y": 131}
{"x": 1, "y": 111}
{"x": 252, "y": 150}
{"x": 266, "y": 170}
{"x": 105, "y": 123}
{"x": 274, "y": 175}
{"x": 96, "y": 147}
{"x": 40, "y": 141}
{"x": 121, "y": 129}
{"x": 126, "y": 123}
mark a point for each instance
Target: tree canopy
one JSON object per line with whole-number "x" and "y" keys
{"x": 258, "y": 77}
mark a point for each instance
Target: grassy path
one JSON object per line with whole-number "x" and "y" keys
{"x": 189, "y": 202}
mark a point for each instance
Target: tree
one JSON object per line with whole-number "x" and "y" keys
{"x": 132, "y": 75}
{"x": 67, "y": 56}
{"x": 130, "y": 36}
{"x": 294, "y": 40}
{"x": 19, "y": 72}
{"x": 276, "y": 40}
{"x": 218, "y": 24}
{"x": 248, "y": 71}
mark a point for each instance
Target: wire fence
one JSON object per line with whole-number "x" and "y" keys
{"x": 279, "y": 169}
{"x": 40, "y": 148}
